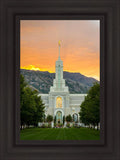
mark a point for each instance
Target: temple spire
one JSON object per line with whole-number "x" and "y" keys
{"x": 59, "y": 44}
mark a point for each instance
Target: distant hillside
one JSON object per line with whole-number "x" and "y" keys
{"x": 42, "y": 81}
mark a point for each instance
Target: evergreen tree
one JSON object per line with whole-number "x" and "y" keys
{"x": 38, "y": 114}
{"x": 31, "y": 106}
{"x": 69, "y": 118}
{"x": 49, "y": 118}
{"x": 90, "y": 107}
{"x": 55, "y": 119}
{"x": 63, "y": 119}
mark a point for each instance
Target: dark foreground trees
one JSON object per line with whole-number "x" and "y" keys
{"x": 31, "y": 106}
{"x": 90, "y": 108}
{"x": 69, "y": 118}
{"x": 49, "y": 118}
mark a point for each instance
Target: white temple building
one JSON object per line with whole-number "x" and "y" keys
{"x": 59, "y": 102}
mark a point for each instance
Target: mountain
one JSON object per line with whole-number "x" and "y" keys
{"x": 42, "y": 81}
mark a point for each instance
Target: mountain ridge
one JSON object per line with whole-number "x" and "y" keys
{"x": 42, "y": 80}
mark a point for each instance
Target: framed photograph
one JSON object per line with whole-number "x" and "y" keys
{"x": 60, "y": 80}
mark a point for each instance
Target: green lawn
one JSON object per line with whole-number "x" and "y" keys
{"x": 59, "y": 134}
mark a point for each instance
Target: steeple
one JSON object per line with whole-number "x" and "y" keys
{"x": 59, "y": 44}
{"x": 59, "y": 82}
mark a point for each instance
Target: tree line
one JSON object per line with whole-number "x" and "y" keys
{"x": 90, "y": 107}
{"x": 31, "y": 105}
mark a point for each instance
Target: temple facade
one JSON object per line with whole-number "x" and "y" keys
{"x": 59, "y": 102}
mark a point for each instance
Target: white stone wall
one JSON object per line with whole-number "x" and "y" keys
{"x": 76, "y": 99}
{"x": 71, "y": 103}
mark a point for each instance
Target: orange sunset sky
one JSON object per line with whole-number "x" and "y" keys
{"x": 80, "y": 45}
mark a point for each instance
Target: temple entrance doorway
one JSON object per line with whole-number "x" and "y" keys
{"x": 59, "y": 117}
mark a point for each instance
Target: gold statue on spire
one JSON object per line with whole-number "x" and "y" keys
{"x": 59, "y": 43}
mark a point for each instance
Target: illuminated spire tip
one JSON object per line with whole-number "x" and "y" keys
{"x": 59, "y": 43}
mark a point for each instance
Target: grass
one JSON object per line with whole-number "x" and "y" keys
{"x": 59, "y": 134}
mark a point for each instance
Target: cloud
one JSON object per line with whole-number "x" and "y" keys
{"x": 80, "y": 44}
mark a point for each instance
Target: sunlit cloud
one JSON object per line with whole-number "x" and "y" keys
{"x": 80, "y": 45}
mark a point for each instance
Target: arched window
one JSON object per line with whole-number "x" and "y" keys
{"x": 58, "y": 102}
{"x": 75, "y": 117}
{"x": 59, "y": 117}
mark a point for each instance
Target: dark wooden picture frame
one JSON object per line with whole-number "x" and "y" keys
{"x": 108, "y": 147}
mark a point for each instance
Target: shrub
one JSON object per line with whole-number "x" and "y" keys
{"x": 43, "y": 126}
{"x": 60, "y": 124}
{"x": 49, "y": 125}
{"x": 68, "y": 125}
{"x": 49, "y": 118}
{"x": 69, "y": 118}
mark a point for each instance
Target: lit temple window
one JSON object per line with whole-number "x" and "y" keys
{"x": 59, "y": 102}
